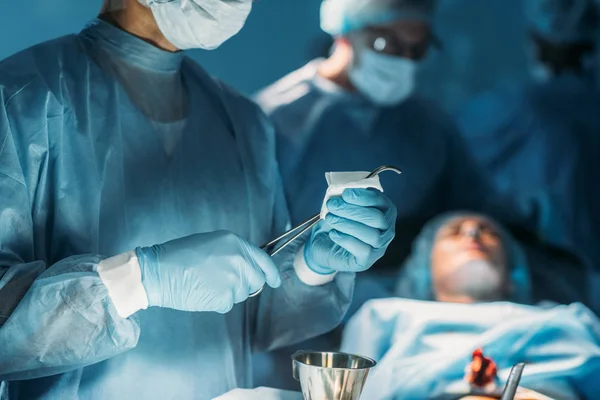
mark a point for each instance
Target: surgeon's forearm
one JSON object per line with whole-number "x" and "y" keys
{"x": 66, "y": 320}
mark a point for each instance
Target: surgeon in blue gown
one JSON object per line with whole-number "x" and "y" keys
{"x": 357, "y": 109}
{"x": 134, "y": 189}
{"x": 542, "y": 139}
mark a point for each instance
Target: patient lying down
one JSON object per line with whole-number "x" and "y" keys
{"x": 462, "y": 319}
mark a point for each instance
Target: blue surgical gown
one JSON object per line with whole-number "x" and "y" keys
{"x": 108, "y": 143}
{"x": 543, "y": 141}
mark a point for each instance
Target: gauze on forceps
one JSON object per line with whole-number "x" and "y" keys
{"x": 339, "y": 181}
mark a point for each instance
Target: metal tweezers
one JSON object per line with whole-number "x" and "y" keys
{"x": 299, "y": 230}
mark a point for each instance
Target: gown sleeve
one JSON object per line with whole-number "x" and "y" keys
{"x": 53, "y": 317}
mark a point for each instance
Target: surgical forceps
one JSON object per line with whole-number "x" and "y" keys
{"x": 308, "y": 224}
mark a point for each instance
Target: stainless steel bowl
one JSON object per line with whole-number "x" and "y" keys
{"x": 330, "y": 375}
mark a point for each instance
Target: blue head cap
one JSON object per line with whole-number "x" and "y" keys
{"x": 563, "y": 21}
{"x": 415, "y": 281}
{"x": 339, "y": 17}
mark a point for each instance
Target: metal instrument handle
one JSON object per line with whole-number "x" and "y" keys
{"x": 510, "y": 390}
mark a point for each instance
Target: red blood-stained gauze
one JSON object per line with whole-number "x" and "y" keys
{"x": 482, "y": 370}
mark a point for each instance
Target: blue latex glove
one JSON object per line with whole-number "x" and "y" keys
{"x": 205, "y": 272}
{"x": 355, "y": 233}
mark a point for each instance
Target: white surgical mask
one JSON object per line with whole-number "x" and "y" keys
{"x": 382, "y": 78}
{"x": 199, "y": 24}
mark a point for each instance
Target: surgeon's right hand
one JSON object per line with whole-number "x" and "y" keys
{"x": 205, "y": 272}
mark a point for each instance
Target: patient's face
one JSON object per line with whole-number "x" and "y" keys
{"x": 468, "y": 261}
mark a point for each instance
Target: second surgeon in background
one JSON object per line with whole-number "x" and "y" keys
{"x": 356, "y": 110}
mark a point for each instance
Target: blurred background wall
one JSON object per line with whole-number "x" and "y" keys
{"x": 483, "y": 42}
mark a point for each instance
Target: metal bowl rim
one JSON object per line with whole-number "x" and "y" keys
{"x": 301, "y": 352}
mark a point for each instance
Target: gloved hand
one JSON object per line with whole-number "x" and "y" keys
{"x": 355, "y": 233}
{"x": 205, "y": 272}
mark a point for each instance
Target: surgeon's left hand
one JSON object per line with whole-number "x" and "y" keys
{"x": 356, "y": 232}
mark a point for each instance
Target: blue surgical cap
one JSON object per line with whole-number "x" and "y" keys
{"x": 338, "y": 17}
{"x": 415, "y": 281}
{"x": 563, "y": 21}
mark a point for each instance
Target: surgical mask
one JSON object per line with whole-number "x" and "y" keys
{"x": 199, "y": 24}
{"x": 382, "y": 78}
